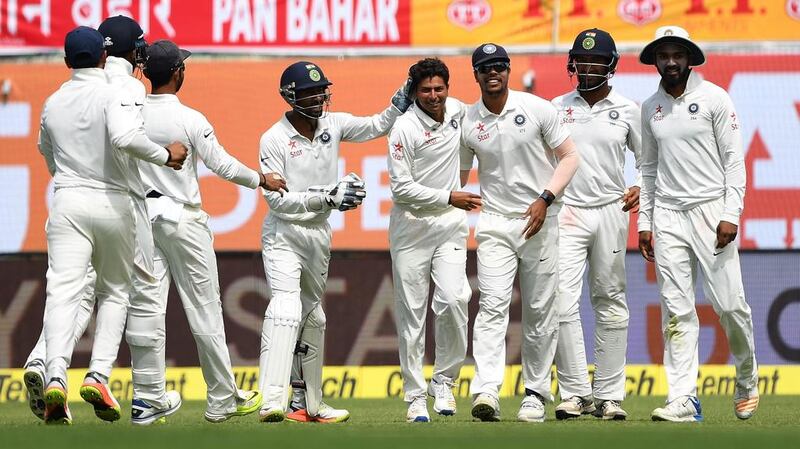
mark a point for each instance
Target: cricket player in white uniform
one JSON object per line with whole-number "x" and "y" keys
{"x": 84, "y": 125}
{"x": 303, "y": 147}
{"x": 428, "y": 233}
{"x": 184, "y": 243}
{"x": 525, "y": 159}
{"x": 693, "y": 181}
{"x": 593, "y": 229}
{"x": 123, "y": 40}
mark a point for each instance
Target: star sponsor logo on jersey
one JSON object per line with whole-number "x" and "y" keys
{"x": 613, "y": 115}
{"x": 519, "y": 120}
{"x": 658, "y": 116}
{"x": 482, "y": 133}
{"x": 694, "y": 108}
{"x": 293, "y": 150}
{"x": 325, "y": 137}
{"x": 735, "y": 124}
{"x": 397, "y": 151}
{"x": 429, "y": 138}
{"x": 568, "y": 118}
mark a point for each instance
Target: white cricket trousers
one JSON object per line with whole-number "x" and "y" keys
{"x": 685, "y": 239}
{"x": 427, "y": 246}
{"x": 296, "y": 255}
{"x": 502, "y": 253}
{"x": 184, "y": 253}
{"x": 597, "y": 235}
{"x": 87, "y": 226}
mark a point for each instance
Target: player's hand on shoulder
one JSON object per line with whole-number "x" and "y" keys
{"x": 536, "y": 214}
{"x": 177, "y": 154}
{"x": 465, "y": 200}
{"x": 273, "y": 182}
{"x": 646, "y": 245}
{"x": 726, "y": 233}
{"x": 630, "y": 200}
{"x": 403, "y": 98}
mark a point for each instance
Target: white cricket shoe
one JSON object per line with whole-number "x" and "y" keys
{"x": 486, "y": 407}
{"x": 143, "y": 414}
{"x": 531, "y": 409}
{"x": 611, "y": 410}
{"x": 418, "y": 410}
{"x": 34, "y": 383}
{"x": 682, "y": 409}
{"x": 745, "y": 402}
{"x": 271, "y": 413}
{"x": 574, "y": 407}
{"x": 326, "y": 415}
{"x": 443, "y": 401}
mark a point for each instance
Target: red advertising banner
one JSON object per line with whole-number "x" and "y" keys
{"x": 26, "y": 25}
{"x": 240, "y": 99}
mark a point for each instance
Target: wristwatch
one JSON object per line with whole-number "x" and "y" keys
{"x": 548, "y": 197}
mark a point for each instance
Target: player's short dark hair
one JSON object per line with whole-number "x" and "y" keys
{"x": 159, "y": 79}
{"x": 428, "y": 68}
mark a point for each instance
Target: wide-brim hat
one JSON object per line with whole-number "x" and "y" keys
{"x": 672, "y": 35}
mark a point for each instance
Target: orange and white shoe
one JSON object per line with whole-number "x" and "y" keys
{"x": 96, "y": 392}
{"x": 56, "y": 410}
{"x": 326, "y": 415}
{"x": 745, "y": 402}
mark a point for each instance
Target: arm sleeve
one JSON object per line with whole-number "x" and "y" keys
{"x": 45, "y": 145}
{"x": 217, "y": 159}
{"x": 568, "y": 160}
{"x": 360, "y": 129}
{"x": 634, "y": 141}
{"x": 649, "y": 167}
{"x": 401, "y": 180}
{"x": 729, "y": 145}
{"x": 272, "y": 160}
{"x": 553, "y": 132}
{"x": 125, "y": 127}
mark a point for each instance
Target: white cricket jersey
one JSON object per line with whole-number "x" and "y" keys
{"x": 514, "y": 150}
{"x": 166, "y": 120}
{"x": 304, "y": 163}
{"x": 120, "y": 73}
{"x": 691, "y": 151}
{"x": 601, "y": 133}
{"x": 424, "y": 158}
{"x": 85, "y": 127}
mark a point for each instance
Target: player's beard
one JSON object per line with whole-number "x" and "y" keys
{"x": 674, "y": 81}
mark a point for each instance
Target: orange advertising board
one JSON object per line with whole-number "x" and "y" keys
{"x": 530, "y": 22}
{"x": 241, "y": 100}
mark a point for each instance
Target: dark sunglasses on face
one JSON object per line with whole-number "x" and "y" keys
{"x": 498, "y": 67}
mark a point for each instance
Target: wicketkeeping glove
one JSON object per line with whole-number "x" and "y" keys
{"x": 345, "y": 195}
{"x": 402, "y": 99}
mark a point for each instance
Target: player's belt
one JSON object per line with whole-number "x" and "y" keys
{"x": 154, "y": 194}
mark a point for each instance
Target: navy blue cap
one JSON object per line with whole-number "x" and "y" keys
{"x": 83, "y": 47}
{"x": 303, "y": 75}
{"x": 164, "y": 57}
{"x": 489, "y": 53}
{"x": 122, "y": 34}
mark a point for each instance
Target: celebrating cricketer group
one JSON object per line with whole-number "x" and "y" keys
{"x": 127, "y": 221}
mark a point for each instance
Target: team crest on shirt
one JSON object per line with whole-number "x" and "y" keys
{"x": 694, "y": 108}
{"x": 519, "y": 120}
{"x": 454, "y": 123}
{"x": 325, "y": 137}
{"x": 613, "y": 115}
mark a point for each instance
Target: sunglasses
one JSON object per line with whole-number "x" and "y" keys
{"x": 498, "y": 67}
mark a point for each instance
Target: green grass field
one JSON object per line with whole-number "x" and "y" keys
{"x": 381, "y": 424}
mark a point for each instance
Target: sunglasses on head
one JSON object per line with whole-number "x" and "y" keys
{"x": 494, "y": 66}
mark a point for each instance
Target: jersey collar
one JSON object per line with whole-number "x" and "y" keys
{"x": 511, "y": 104}
{"x": 162, "y": 98}
{"x": 322, "y": 126}
{"x": 118, "y": 66}
{"x": 692, "y": 83}
{"x": 89, "y": 75}
{"x": 427, "y": 120}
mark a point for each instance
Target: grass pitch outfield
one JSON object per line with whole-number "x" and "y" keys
{"x": 380, "y": 423}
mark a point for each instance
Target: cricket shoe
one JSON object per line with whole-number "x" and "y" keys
{"x": 531, "y": 409}
{"x": 443, "y": 401}
{"x": 486, "y": 407}
{"x": 271, "y": 413}
{"x": 96, "y": 392}
{"x": 249, "y": 402}
{"x": 745, "y": 402}
{"x": 144, "y": 414}
{"x": 34, "y": 382}
{"x": 418, "y": 410}
{"x": 574, "y": 407}
{"x": 55, "y": 399}
{"x": 325, "y": 415}
{"x": 610, "y": 410}
{"x": 683, "y": 409}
